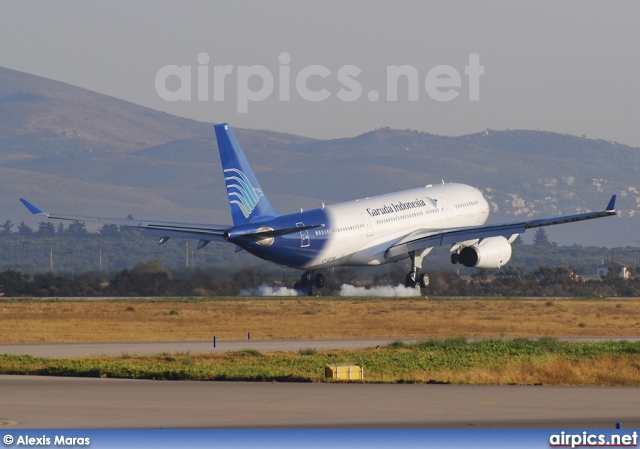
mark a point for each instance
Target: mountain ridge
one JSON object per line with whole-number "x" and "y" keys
{"x": 72, "y": 150}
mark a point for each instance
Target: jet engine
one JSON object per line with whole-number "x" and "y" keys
{"x": 492, "y": 252}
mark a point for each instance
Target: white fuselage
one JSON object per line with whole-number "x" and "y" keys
{"x": 359, "y": 232}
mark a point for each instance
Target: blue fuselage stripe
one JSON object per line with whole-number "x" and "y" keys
{"x": 297, "y": 249}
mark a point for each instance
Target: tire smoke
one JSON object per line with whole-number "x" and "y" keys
{"x": 268, "y": 290}
{"x": 380, "y": 290}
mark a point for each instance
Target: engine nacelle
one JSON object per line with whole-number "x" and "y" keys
{"x": 492, "y": 252}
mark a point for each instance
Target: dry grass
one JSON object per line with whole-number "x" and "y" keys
{"x": 600, "y": 368}
{"x": 312, "y": 318}
{"x": 550, "y": 370}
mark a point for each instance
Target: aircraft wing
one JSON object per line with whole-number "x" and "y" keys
{"x": 426, "y": 239}
{"x": 203, "y": 232}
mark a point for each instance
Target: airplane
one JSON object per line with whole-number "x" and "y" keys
{"x": 364, "y": 232}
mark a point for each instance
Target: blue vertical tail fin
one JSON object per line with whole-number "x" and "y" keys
{"x": 246, "y": 199}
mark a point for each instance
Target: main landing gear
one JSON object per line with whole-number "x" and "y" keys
{"x": 309, "y": 284}
{"x": 414, "y": 279}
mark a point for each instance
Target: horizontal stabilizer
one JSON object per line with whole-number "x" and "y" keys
{"x": 256, "y": 235}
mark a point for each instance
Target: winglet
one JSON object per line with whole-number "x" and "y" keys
{"x": 612, "y": 204}
{"x": 33, "y": 209}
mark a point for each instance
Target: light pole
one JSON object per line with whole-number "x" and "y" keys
{"x": 160, "y": 259}
{"x": 22, "y": 262}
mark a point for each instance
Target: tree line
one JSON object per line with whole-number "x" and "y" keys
{"x": 115, "y": 261}
{"x": 48, "y": 229}
{"x": 542, "y": 282}
{"x": 73, "y": 248}
{"x": 151, "y": 279}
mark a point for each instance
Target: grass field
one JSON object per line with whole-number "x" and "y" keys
{"x": 520, "y": 361}
{"x": 33, "y": 321}
{"x": 516, "y": 360}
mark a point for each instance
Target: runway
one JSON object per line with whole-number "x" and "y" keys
{"x": 54, "y": 402}
{"x": 64, "y": 350}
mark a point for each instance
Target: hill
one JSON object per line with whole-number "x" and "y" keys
{"x": 72, "y": 150}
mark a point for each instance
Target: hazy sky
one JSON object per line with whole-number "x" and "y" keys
{"x": 563, "y": 66}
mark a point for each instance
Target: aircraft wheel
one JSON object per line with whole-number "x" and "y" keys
{"x": 312, "y": 290}
{"x": 319, "y": 280}
{"x": 305, "y": 279}
{"x": 410, "y": 280}
{"x": 454, "y": 258}
{"x": 297, "y": 286}
{"x": 423, "y": 280}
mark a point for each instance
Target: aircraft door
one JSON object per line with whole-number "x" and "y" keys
{"x": 305, "y": 241}
{"x": 444, "y": 204}
{"x": 367, "y": 222}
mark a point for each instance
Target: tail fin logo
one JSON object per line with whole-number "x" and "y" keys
{"x": 241, "y": 192}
